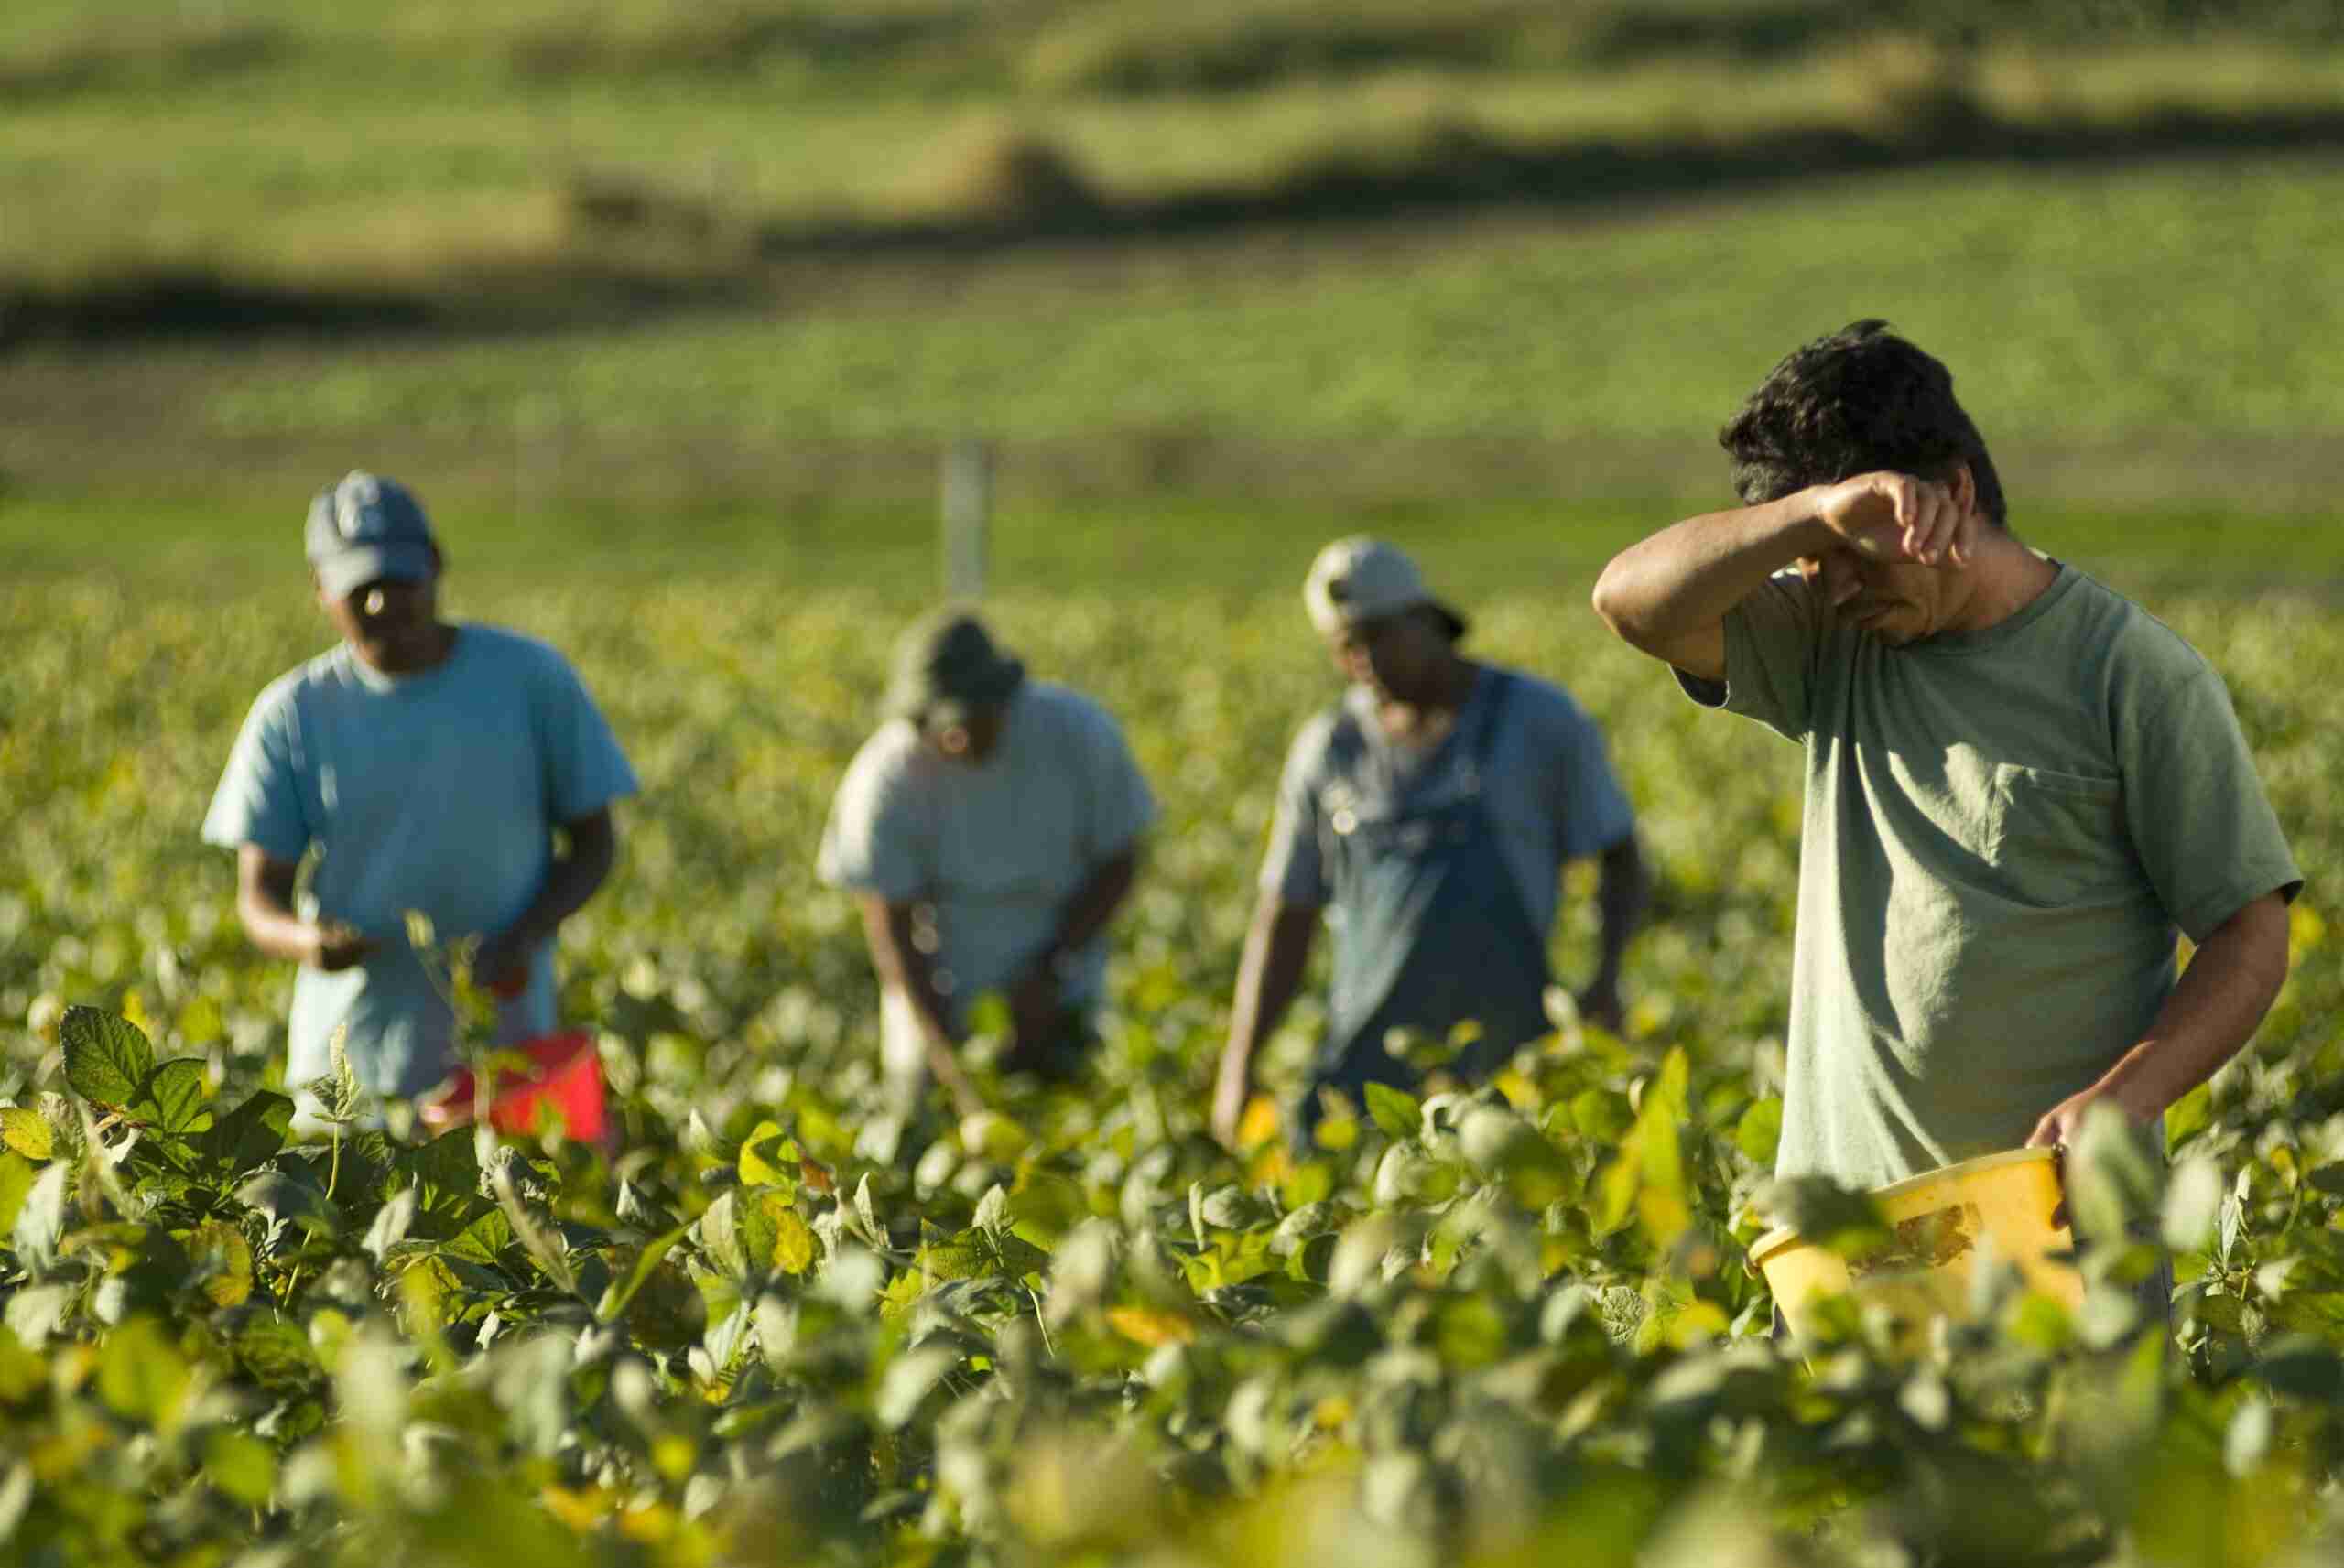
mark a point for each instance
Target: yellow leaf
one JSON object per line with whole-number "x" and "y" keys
{"x": 582, "y": 1510}
{"x": 794, "y": 1245}
{"x": 1151, "y": 1325}
{"x": 1519, "y": 1091}
{"x": 1697, "y": 1325}
{"x": 1259, "y": 1124}
{"x": 26, "y": 1131}
{"x": 767, "y": 1159}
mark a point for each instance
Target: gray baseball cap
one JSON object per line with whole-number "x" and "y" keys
{"x": 948, "y": 664}
{"x": 366, "y": 528}
{"x": 1359, "y": 578}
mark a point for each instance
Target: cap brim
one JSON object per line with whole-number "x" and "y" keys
{"x": 345, "y": 571}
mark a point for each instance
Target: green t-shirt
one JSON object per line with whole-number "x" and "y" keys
{"x": 2003, "y": 829}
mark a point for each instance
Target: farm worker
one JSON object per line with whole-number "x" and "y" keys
{"x": 1427, "y": 817}
{"x": 2020, "y": 786}
{"x": 988, "y": 830}
{"x": 429, "y": 763}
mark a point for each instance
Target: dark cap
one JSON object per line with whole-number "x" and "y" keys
{"x": 948, "y": 664}
{"x": 366, "y": 528}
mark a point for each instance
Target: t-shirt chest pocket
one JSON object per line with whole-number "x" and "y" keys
{"x": 2055, "y": 836}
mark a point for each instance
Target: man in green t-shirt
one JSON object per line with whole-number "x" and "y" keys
{"x": 2020, "y": 786}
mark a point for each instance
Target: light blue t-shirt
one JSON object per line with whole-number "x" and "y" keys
{"x": 995, "y": 850}
{"x": 1549, "y": 791}
{"x": 436, "y": 792}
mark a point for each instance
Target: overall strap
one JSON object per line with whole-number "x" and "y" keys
{"x": 1485, "y": 744}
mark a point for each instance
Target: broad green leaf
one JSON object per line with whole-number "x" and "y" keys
{"x": 287, "y": 1198}
{"x": 868, "y": 1212}
{"x": 175, "y": 1096}
{"x": 446, "y": 1168}
{"x": 223, "y": 1262}
{"x": 251, "y": 1134}
{"x": 719, "y": 1237}
{"x": 41, "y": 1218}
{"x": 907, "y": 1381}
{"x": 141, "y": 1374}
{"x": 753, "y": 1220}
{"x": 106, "y": 1056}
{"x": 242, "y": 1466}
{"x": 1395, "y": 1111}
{"x": 484, "y": 1239}
{"x": 967, "y": 1255}
{"x": 2188, "y": 1116}
{"x": 1760, "y": 1132}
{"x": 2192, "y": 1203}
{"x": 646, "y": 1264}
{"x": 27, "y": 1132}
{"x": 992, "y": 1209}
{"x": 1597, "y": 1116}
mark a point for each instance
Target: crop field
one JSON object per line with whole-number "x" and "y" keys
{"x": 785, "y": 1326}
{"x": 668, "y": 307}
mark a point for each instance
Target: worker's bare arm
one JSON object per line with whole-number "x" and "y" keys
{"x": 889, "y": 929}
{"x": 1669, "y": 594}
{"x": 265, "y": 908}
{"x": 1278, "y": 946}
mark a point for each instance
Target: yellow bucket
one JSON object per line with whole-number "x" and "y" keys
{"x": 1938, "y": 1219}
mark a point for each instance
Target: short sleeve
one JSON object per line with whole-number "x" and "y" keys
{"x": 584, "y": 768}
{"x": 872, "y": 842}
{"x": 1294, "y": 870}
{"x": 258, "y": 800}
{"x": 1770, "y": 647}
{"x": 1593, "y": 813}
{"x": 2199, "y": 820}
{"x": 1121, "y": 806}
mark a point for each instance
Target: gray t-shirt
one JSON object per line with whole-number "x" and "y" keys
{"x": 1548, "y": 789}
{"x": 436, "y": 792}
{"x": 995, "y": 851}
{"x": 2003, "y": 830}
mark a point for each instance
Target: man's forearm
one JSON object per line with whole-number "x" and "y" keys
{"x": 1085, "y": 915}
{"x": 1277, "y": 947}
{"x": 1622, "y": 890}
{"x": 574, "y": 877}
{"x": 2212, "y": 1012}
{"x": 272, "y": 927}
{"x": 904, "y": 968}
{"x": 2208, "y": 1018}
{"x": 1689, "y": 575}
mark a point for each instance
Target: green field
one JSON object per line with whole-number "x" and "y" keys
{"x": 1488, "y": 1326}
{"x": 669, "y": 311}
{"x": 2157, "y": 337}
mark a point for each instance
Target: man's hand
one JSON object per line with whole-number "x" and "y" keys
{"x": 1893, "y": 517}
{"x": 335, "y": 944}
{"x": 1037, "y": 1011}
{"x": 501, "y": 964}
{"x": 1600, "y": 1005}
{"x": 2064, "y": 1122}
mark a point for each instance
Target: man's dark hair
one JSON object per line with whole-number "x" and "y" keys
{"x": 1860, "y": 400}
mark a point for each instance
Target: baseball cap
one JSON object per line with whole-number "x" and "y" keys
{"x": 1359, "y": 578}
{"x": 364, "y": 528}
{"x": 947, "y": 665}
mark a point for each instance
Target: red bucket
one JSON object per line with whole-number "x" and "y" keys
{"x": 563, "y": 1081}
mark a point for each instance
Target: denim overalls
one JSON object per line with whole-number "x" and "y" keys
{"x": 1430, "y": 928}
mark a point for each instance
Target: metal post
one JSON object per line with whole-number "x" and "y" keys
{"x": 968, "y": 506}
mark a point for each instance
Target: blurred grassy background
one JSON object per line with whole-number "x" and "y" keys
{"x": 658, "y": 280}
